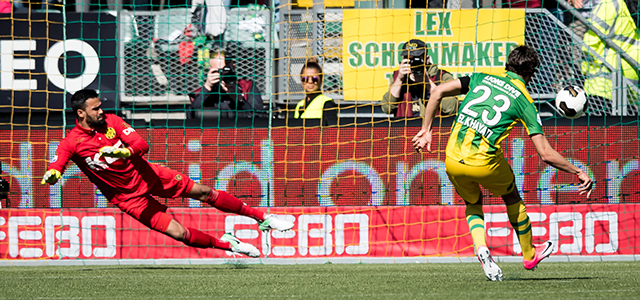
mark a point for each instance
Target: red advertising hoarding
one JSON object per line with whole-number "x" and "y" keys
{"x": 338, "y": 231}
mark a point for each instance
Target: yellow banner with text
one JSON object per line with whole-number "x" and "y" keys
{"x": 459, "y": 41}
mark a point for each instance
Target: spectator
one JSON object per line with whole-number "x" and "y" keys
{"x": 224, "y": 92}
{"x": 411, "y": 88}
{"x": 584, "y": 7}
{"x": 613, "y": 19}
{"x": 315, "y": 105}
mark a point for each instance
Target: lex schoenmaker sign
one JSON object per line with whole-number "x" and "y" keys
{"x": 460, "y": 41}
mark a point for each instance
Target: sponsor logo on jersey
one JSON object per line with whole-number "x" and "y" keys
{"x": 178, "y": 177}
{"x": 95, "y": 163}
{"x": 111, "y": 133}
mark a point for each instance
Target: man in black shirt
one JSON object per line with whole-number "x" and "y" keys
{"x": 223, "y": 93}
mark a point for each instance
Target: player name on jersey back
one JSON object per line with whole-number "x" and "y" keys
{"x": 476, "y": 125}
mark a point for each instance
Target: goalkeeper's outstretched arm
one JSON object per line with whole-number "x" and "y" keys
{"x": 51, "y": 177}
{"x": 59, "y": 163}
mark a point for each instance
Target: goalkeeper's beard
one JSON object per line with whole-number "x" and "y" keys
{"x": 96, "y": 123}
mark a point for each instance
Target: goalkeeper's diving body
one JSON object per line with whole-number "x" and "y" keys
{"x": 492, "y": 107}
{"x": 110, "y": 153}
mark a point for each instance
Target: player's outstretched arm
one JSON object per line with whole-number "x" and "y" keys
{"x": 555, "y": 159}
{"x": 424, "y": 137}
{"x": 51, "y": 177}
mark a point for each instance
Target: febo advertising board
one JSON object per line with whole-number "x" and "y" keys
{"x": 339, "y": 231}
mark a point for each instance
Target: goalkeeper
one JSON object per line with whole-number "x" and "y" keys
{"x": 492, "y": 107}
{"x": 110, "y": 153}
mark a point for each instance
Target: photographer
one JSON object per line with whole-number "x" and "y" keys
{"x": 411, "y": 85}
{"x": 224, "y": 94}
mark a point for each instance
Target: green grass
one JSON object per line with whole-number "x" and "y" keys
{"x": 596, "y": 280}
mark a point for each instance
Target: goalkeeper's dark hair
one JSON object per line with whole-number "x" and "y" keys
{"x": 523, "y": 60}
{"x": 79, "y": 99}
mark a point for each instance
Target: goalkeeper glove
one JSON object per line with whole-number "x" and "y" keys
{"x": 51, "y": 177}
{"x": 110, "y": 151}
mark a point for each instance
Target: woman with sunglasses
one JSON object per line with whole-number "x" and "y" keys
{"x": 315, "y": 105}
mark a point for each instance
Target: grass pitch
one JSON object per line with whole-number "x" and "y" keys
{"x": 595, "y": 280}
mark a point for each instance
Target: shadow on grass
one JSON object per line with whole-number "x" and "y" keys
{"x": 550, "y": 279}
{"x": 135, "y": 268}
{"x": 238, "y": 266}
{"x": 228, "y": 265}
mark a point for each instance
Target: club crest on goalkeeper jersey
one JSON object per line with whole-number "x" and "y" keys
{"x": 111, "y": 175}
{"x": 491, "y": 108}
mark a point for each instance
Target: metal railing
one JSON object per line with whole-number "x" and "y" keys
{"x": 153, "y": 70}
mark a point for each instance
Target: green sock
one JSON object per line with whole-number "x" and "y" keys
{"x": 475, "y": 219}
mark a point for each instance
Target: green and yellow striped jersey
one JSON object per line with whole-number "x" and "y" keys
{"x": 491, "y": 108}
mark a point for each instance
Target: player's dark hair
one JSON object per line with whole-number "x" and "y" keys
{"x": 312, "y": 63}
{"x": 79, "y": 99}
{"x": 523, "y": 60}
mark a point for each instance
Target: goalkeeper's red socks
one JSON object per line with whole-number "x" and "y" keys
{"x": 230, "y": 204}
{"x": 196, "y": 238}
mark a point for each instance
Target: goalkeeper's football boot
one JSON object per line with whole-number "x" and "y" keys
{"x": 238, "y": 246}
{"x": 491, "y": 269}
{"x": 271, "y": 222}
{"x": 542, "y": 251}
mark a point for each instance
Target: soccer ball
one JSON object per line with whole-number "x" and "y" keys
{"x": 571, "y": 102}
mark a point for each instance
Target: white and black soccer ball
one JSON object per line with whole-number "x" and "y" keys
{"x": 572, "y": 102}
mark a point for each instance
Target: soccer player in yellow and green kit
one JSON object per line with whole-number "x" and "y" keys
{"x": 494, "y": 103}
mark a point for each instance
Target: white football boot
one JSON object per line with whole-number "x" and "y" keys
{"x": 491, "y": 269}
{"x": 238, "y": 246}
{"x": 272, "y": 222}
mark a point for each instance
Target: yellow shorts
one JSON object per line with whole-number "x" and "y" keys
{"x": 497, "y": 178}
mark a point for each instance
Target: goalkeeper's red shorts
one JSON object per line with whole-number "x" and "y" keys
{"x": 149, "y": 211}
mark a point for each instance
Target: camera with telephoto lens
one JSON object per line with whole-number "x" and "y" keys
{"x": 228, "y": 75}
{"x": 4, "y": 186}
{"x": 417, "y": 65}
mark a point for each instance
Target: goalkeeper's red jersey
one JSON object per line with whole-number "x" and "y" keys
{"x": 113, "y": 176}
